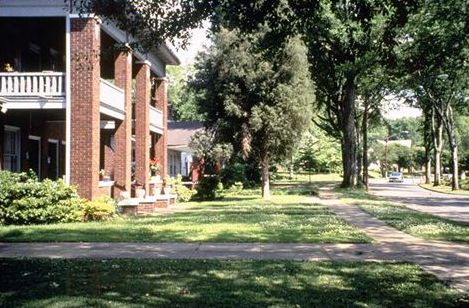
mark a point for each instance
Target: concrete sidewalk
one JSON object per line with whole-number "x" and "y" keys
{"x": 449, "y": 261}
{"x": 231, "y": 251}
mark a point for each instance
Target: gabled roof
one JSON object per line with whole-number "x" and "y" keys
{"x": 180, "y": 134}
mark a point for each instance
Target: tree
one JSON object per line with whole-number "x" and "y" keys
{"x": 318, "y": 152}
{"x": 259, "y": 103}
{"x": 343, "y": 39}
{"x": 434, "y": 50}
{"x": 182, "y": 99}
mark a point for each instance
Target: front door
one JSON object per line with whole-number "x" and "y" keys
{"x": 34, "y": 154}
{"x": 53, "y": 159}
{"x": 12, "y": 148}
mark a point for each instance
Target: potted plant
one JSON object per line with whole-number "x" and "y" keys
{"x": 155, "y": 169}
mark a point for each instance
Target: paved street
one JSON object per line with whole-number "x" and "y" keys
{"x": 454, "y": 207}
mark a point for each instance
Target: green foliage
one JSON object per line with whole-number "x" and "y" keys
{"x": 232, "y": 173}
{"x": 209, "y": 188}
{"x": 103, "y": 208}
{"x": 318, "y": 153}
{"x": 257, "y": 102}
{"x": 180, "y": 97}
{"x": 26, "y": 200}
{"x": 184, "y": 194}
{"x": 406, "y": 128}
{"x": 236, "y": 188}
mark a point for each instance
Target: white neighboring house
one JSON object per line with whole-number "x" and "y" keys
{"x": 180, "y": 155}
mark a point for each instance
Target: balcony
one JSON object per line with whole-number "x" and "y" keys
{"x": 112, "y": 100}
{"x": 36, "y": 90}
{"x": 156, "y": 120}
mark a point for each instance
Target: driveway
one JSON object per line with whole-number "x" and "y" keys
{"x": 454, "y": 207}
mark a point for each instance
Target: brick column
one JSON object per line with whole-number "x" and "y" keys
{"x": 85, "y": 126}
{"x": 142, "y": 125}
{"x": 162, "y": 143}
{"x": 123, "y": 151}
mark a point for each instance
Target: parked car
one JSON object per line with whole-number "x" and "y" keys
{"x": 396, "y": 177}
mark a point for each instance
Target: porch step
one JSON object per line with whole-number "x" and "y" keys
{"x": 147, "y": 205}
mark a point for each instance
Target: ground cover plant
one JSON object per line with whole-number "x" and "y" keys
{"x": 416, "y": 223}
{"x": 236, "y": 218}
{"x": 184, "y": 283}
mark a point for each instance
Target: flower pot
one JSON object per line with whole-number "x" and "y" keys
{"x": 124, "y": 195}
{"x": 156, "y": 190}
{"x": 156, "y": 178}
{"x": 140, "y": 193}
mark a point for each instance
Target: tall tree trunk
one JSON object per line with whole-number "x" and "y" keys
{"x": 437, "y": 127}
{"x": 449, "y": 126}
{"x": 349, "y": 145}
{"x": 265, "y": 163}
{"x": 365, "y": 146}
{"x": 359, "y": 158}
{"x": 427, "y": 140}
{"x": 428, "y": 165}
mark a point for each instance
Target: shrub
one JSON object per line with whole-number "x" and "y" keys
{"x": 209, "y": 188}
{"x": 26, "y": 200}
{"x": 184, "y": 194}
{"x": 102, "y": 208}
{"x": 237, "y": 187}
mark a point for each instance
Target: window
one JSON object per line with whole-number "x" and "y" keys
{"x": 12, "y": 148}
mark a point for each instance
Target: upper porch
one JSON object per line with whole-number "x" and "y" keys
{"x": 39, "y": 59}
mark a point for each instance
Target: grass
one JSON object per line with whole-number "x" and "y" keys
{"x": 243, "y": 218}
{"x": 184, "y": 283}
{"x": 416, "y": 223}
{"x": 446, "y": 189}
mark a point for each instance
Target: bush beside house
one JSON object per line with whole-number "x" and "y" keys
{"x": 25, "y": 200}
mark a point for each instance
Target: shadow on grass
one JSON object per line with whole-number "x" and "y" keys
{"x": 131, "y": 283}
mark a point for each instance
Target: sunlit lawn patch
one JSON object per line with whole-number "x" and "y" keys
{"x": 413, "y": 222}
{"x": 287, "y": 218}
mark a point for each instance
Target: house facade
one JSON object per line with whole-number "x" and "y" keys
{"x": 74, "y": 106}
{"x": 181, "y": 158}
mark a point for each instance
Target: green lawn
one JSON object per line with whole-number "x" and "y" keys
{"x": 287, "y": 218}
{"x": 183, "y": 283}
{"x": 416, "y": 223}
{"x": 445, "y": 189}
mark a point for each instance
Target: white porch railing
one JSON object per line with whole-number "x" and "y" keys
{"x": 156, "y": 120}
{"x": 32, "y": 84}
{"x": 112, "y": 100}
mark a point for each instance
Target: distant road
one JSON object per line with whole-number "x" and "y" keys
{"x": 454, "y": 207}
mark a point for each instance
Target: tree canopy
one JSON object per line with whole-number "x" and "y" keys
{"x": 261, "y": 104}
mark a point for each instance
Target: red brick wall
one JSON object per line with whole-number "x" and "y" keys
{"x": 161, "y": 148}
{"x": 142, "y": 125}
{"x": 123, "y": 155}
{"x": 2, "y": 123}
{"x": 85, "y": 132}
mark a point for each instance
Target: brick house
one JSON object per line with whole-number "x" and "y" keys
{"x": 73, "y": 105}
